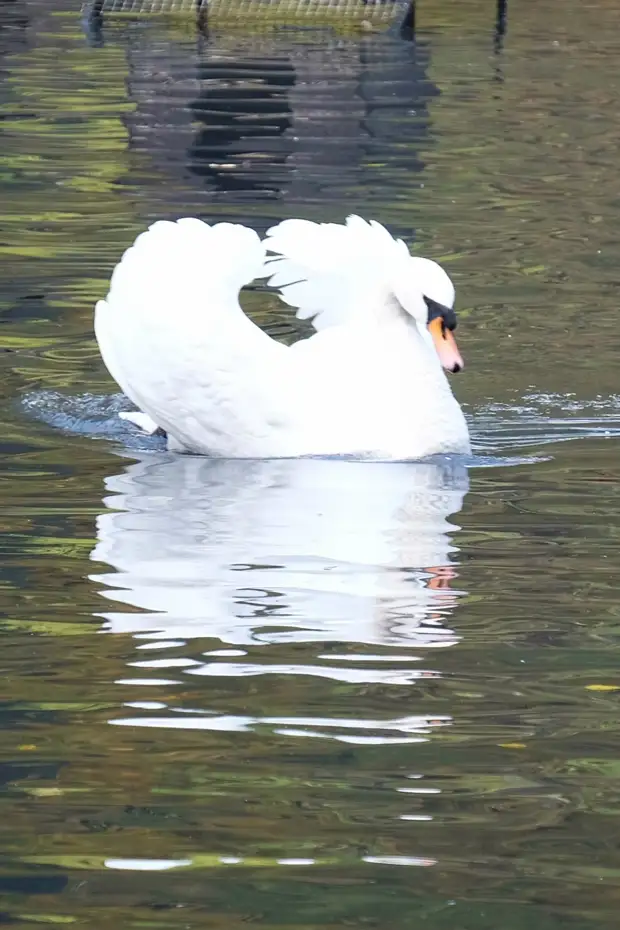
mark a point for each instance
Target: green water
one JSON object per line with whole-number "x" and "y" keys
{"x": 317, "y": 694}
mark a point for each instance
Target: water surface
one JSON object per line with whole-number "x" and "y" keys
{"x": 317, "y": 693}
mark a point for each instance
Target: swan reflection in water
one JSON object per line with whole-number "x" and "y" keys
{"x": 281, "y": 553}
{"x": 304, "y": 550}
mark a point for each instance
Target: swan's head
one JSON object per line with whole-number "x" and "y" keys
{"x": 426, "y": 293}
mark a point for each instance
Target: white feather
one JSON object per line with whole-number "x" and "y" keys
{"x": 141, "y": 420}
{"x": 174, "y": 337}
{"x": 334, "y": 274}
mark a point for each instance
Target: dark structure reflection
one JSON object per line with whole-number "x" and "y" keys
{"x": 291, "y": 117}
{"x": 295, "y": 117}
{"x": 243, "y": 119}
{"x": 14, "y": 22}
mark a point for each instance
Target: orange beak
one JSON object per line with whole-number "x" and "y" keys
{"x": 446, "y": 346}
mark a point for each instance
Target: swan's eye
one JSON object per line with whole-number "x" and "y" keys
{"x": 437, "y": 311}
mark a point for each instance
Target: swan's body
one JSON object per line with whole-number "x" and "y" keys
{"x": 368, "y": 383}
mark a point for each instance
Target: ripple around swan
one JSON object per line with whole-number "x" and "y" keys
{"x": 498, "y": 429}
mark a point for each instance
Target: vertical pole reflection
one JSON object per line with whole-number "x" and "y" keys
{"x": 396, "y": 91}
{"x": 501, "y": 23}
{"x": 407, "y": 27}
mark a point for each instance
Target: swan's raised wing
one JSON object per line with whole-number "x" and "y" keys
{"x": 173, "y": 335}
{"x": 333, "y": 272}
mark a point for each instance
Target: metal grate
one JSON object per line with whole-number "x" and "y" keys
{"x": 372, "y": 11}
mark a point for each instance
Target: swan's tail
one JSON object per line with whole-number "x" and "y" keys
{"x": 330, "y": 272}
{"x": 171, "y": 331}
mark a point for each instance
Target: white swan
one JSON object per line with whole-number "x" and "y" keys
{"x": 369, "y": 383}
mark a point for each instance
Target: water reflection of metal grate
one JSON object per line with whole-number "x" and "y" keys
{"x": 281, "y": 122}
{"x": 374, "y": 12}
